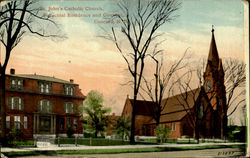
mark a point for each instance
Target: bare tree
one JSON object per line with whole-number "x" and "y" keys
{"x": 235, "y": 80}
{"x": 190, "y": 99}
{"x": 161, "y": 85}
{"x": 18, "y": 18}
{"x": 139, "y": 22}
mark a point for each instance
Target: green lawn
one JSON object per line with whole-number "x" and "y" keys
{"x": 95, "y": 141}
{"x": 116, "y": 151}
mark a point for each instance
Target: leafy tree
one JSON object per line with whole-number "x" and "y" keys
{"x": 123, "y": 127}
{"x": 162, "y": 132}
{"x": 94, "y": 114}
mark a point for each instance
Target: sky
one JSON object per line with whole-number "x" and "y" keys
{"x": 95, "y": 64}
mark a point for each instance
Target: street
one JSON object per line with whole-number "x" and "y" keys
{"x": 224, "y": 152}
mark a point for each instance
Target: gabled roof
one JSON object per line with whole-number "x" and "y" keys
{"x": 41, "y": 77}
{"x": 181, "y": 101}
{"x": 174, "y": 109}
{"x": 143, "y": 107}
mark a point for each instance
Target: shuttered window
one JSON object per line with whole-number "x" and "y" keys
{"x": 44, "y": 106}
{"x": 17, "y": 122}
{"x": 15, "y": 103}
{"x": 25, "y": 122}
{"x": 69, "y": 107}
{"x": 7, "y": 121}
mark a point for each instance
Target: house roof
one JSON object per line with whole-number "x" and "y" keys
{"x": 175, "y": 106}
{"x": 41, "y": 77}
{"x": 143, "y": 107}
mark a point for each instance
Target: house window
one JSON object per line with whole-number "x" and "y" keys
{"x": 75, "y": 124}
{"x": 69, "y": 122}
{"x": 7, "y": 121}
{"x": 16, "y": 83}
{"x": 173, "y": 127}
{"x": 201, "y": 111}
{"x": 17, "y": 122}
{"x": 69, "y": 107}
{"x": 61, "y": 123}
{"x": 44, "y": 87}
{"x": 69, "y": 89}
{"x": 45, "y": 106}
{"x": 25, "y": 122}
{"x": 15, "y": 103}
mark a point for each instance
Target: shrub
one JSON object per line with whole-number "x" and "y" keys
{"x": 70, "y": 132}
{"x": 162, "y": 132}
{"x": 16, "y": 133}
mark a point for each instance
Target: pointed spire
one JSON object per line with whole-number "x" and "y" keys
{"x": 213, "y": 53}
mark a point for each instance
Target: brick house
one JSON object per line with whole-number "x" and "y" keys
{"x": 42, "y": 105}
{"x": 207, "y": 104}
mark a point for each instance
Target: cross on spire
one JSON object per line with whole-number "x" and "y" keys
{"x": 212, "y": 28}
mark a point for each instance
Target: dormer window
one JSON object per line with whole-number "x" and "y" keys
{"x": 44, "y": 87}
{"x": 69, "y": 90}
{"x": 16, "y": 83}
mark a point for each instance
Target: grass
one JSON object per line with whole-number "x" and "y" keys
{"x": 23, "y": 143}
{"x": 95, "y": 142}
{"x": 117, "y": 151}
{"x": 183, "y": 141}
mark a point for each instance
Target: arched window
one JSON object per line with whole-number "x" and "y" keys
{"x": 201, "y": 111}
{"x": 208, "y": 85}
{"x": 44, "y": 106}
{"x": 15, "y": 103}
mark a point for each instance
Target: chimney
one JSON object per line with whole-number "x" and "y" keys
{"x": 71, "y": 81}
{"x": 12, "y": 71}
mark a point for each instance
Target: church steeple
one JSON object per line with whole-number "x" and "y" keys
{"x": 213, "y": 56}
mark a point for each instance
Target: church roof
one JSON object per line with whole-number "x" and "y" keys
{"x": 143, "y": 107}
{"x": 174, "y": 109}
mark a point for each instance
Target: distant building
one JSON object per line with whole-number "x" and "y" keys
{"x": 110, "y": 129}
{"x": 42, "y": 105}
{"x": 207, "y": 104}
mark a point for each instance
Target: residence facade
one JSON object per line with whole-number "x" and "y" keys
{"x": 42, "y": 105}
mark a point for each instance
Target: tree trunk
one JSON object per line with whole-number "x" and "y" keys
{"x": 96, "y": 134}
{"x": 132, "y": 130}
{"x": 2, "y": 106}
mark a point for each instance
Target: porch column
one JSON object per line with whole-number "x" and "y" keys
{"x": 37, "y": 124}
{"x": 54, "y": 124}
{"x": 51, "y": 124}
{"x": 34, "y": 124}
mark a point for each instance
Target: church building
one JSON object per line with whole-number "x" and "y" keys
{"x": 202, "y": 109}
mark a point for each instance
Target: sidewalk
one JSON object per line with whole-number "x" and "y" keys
{"x": 84, "y": 147}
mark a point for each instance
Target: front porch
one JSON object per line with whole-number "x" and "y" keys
{"x": 44, "y": 124}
